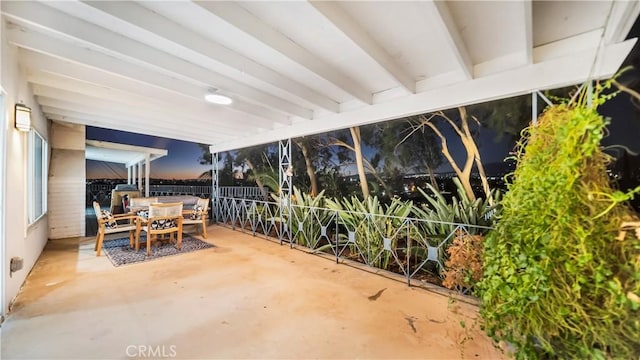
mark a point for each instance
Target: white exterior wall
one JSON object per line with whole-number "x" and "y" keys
{"x": 66, "y": 197}
{"x": 20, "y": 239}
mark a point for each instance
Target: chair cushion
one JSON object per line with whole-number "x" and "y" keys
{"x": 143, "y": 214}
{"x": 109, "y": 221}
{"x": 197, "y": 212}
{"x": 163, "y": 224}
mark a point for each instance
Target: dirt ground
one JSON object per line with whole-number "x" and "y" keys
{"x": 247, "y": 298}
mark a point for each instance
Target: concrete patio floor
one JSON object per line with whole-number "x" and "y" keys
{"x": 245, "y": 298}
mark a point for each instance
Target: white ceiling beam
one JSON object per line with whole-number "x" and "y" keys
{"x": 86, "y": 57}
{"x": 154, "y": 153}
{"x": 350, "y": 28}
{"x": 449, "y": 31}
{"x": 558, "y": 72}
{"x": 50, "y": 85}
{"x": 195, "y": 43}
{"x": 106, "y": 123}
{"x": 237, "y": 16}
{"x": 43, "y": 68}
{"x": 158, "y": 116}
{"x": 620, "y": 21}
{"x": 147, "y": 57}
{"x": 109, "y": 121}
{"x": 522, "y": 56}
{"x": 126, "y": 115}
{"x": 564, "y": 47}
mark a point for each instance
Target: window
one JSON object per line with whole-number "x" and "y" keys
{"x": 37, "y": 179}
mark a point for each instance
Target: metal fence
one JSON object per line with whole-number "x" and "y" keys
{"x": 410, "y": 247}
{"x": 102, "y": 192}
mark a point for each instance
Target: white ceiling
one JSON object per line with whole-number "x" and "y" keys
{"x": 297, "y": 68}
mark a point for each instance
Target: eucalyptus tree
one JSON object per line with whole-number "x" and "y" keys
{"x": 463, "y": 172}
{"x": 505, "y": 116}
{"x": 351, "y": 149}
{"x": 420, "y": 152}
{"x": 316, "y": 157}
{"x": 259, "y": 161}
{"x": 225, "y": 174}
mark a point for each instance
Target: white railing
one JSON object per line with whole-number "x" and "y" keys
{"x": 244, "y": 192}
{"x": 102, "y": 192}
{"x": 173, "y": 190}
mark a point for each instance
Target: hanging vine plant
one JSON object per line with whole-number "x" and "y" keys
{"x": 557, "y": 283}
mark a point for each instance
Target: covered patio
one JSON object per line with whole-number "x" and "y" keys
{"x": 285, "y": 70}
{"x": 245, "y": 298}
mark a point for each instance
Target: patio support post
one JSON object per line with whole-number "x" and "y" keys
{"x": 534, "y": 102}
{"x": 140, "y": 176}
{"x": 534, "y": 107}
{"x": 285, "y": 178}
{"x": 147, "y": 171}
{"x": 215, "y": 188}
{"x": 129, "y": 175}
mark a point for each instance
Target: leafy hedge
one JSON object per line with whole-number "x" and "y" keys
{"x": 556, "y": 281}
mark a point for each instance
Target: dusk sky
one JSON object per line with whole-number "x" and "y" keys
{"x": 181, "y": 161}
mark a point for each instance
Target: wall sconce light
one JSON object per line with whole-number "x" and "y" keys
{"x": 23, "y": 117}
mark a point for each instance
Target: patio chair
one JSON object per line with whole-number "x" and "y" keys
{"x": 197, "y": 216}
{"x": 140, "y": 203}
{"x": 108, "y": 224}
{"x": 164, "y": 219}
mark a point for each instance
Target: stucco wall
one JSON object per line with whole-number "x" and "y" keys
{"x": 20, "y": 239}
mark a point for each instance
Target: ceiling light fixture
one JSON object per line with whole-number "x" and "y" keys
{"x": 214, "y": 98}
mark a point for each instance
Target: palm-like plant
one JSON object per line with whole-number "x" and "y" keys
{"x": 267, "y": 177}
{"x": 440, "y": 221}
{"x": 308, "y": 216}
{"x": 442, "y": 215}
{"x": 369, "y": 224}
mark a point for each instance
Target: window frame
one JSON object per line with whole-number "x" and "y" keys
{"x": 37, "y": 207}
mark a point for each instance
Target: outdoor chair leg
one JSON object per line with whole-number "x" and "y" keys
{"x": 99, "y": 243}
{"x": 95, "y": 247}
{"x": 204, "y": 229}
{"x": 149, "y": 236}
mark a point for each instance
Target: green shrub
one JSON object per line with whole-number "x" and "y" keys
{"x": 462, "y": 255}
{"x": 556, "y": 281}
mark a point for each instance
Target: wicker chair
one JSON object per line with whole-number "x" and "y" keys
{"x": 163, "y": 219}
{"x": 108, "y": 224}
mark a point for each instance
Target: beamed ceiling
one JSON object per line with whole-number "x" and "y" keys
{"x": 299, "y": 68}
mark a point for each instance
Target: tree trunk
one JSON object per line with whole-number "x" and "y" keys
{"x": 472, "y": 151}
{"x": 463, "y": 174}
{"x": 257, "y": 179}
{"x": 432, "y": 176}
{"x": 311, "y": 172}
{"x": 357, "y": 146}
